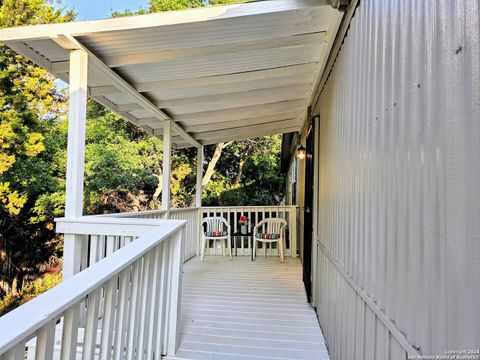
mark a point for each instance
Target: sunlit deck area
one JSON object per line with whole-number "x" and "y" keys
{"x": 245, "y": 309}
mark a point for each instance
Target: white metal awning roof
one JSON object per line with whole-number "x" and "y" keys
{"x": 220, "y": 73}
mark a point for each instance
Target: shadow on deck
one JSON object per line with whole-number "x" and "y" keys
{"x": 239, "y": 309}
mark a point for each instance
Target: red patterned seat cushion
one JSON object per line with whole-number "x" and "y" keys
{"x": 267, "y": 236}
{"x": 215, "y": 233}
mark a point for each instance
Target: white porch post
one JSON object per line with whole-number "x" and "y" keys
{"x": 77, "y": 116}
{"x": 167, "y": 164}
{"x": 198, "y": 195}
{"x": 198, "y": 190}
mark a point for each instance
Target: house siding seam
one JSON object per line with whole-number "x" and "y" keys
{"x": 398, "y": 217}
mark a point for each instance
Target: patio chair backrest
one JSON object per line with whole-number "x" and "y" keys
{"x": 272, "y": 225}
{"x": 216, "y": 223}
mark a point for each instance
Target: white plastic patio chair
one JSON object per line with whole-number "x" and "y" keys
{"x": 268, "y": 231}
{"x": 218, "y": 228}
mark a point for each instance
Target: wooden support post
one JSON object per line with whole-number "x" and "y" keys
{"x": 167, "y": 164}
{"x": 198, "y": 192}
{"x": 294, "y": 216}
{"x": 198, "y": 196}
{"x": 77, "y": 119}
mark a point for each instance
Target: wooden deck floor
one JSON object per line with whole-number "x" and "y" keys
{"x": 240, "y": 310}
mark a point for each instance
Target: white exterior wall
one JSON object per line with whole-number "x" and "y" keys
{"x": 398, "y": 240}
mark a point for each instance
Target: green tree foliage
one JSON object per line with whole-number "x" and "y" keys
{"x": 123, "y": 170}
{"x": 248, "y": 173}
{"x": 30, "y": 105}
{"x": 27, "y": 293}
{"x": 171, "y": 5}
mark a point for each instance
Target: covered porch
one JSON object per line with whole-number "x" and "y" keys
{"x": 247, "y": 310}
{"x": 134, "y": 287}
{"x": 141, "y": 292}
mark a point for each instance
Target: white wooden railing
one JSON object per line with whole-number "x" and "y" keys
{"x": 242, "y": 244}
{"x": 124, "y": 304}
{"x": 192, "y": 230}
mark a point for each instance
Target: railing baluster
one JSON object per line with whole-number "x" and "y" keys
{"x": 94, "y": 249}
{"x": 122, "y": 315}
{"x": 70, "y": 332}
{"x": 45, "y": 341}
{"x": 110, "y": 239}
{"x": 153, "y": 322}
{"x": 159, "y": 338}
{"x": 133, "y": 310}
{"x": 84, "y": 253}
{"x": 145, "y": 305}
{"x": 17, "y": 352}
{"x": 90, "y": 337}
{"x": 293, "y": 232}
{"x": 108, "y": 319}
{"x": 166, "y": 294}
{"x": 175, "y": 293}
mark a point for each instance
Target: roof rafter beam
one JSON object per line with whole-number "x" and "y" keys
{"x": 241, "y": 112}
{"x": 266, "y": 95}
{"x": 156, "y": 58}
{"x": 70, "y": 43}
{"x": 248, "y": 130}
{"x": 127, "y": 107}
{"x": 243, "y": 122}
{"x": 168, "y": 94}
{"x": 148, "y": 121}
{"x": 236, "y": 47}
{"x": 249, "y": 136}
{"x": 263, "y": 74}
{"x": 103, "y": 90}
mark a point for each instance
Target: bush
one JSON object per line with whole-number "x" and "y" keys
{"x": 10, "y": 302}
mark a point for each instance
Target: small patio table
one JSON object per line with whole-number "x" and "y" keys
{"x": 249, "y": 236}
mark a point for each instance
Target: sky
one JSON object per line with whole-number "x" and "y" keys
{"x": 100, "y": 9}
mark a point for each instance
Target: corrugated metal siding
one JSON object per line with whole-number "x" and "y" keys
{"x": 399, "y": 182}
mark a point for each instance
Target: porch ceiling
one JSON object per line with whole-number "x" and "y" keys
{"x": 220, "y": 73}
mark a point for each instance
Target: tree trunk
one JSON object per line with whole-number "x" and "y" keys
{"x": 243, "y": 158}
{"x": 211, "y": 165}
{"x": 158, "y": 191}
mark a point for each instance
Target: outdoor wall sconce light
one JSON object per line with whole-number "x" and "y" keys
{"x": 301, "y": 153}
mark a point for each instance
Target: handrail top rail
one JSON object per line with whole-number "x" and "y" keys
{"x": 125, "y": 214}
{"x": 31, "y": 316}
{"x": 250, "y": 207}
{"x": 145, "y": 212}
{"x": 93, "y": 225}
{"x": 106, "y": 220}
{"x": 153, "y": 212}
{"x": 184, "y": 209}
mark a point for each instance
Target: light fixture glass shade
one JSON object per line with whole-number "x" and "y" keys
{"x": 301, "y": 153}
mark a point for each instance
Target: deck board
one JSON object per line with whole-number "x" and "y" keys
{"x": 241, "y": 310}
